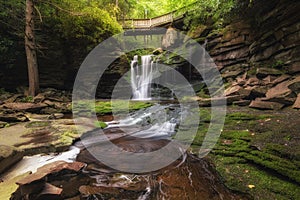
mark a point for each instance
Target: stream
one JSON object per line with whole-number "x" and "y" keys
{"x": 143, "y": 131}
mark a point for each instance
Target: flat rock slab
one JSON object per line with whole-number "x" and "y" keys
{"x": 266, "y": 105}
{"x": 40, "y": 136}
{"x": 26, "y": 107}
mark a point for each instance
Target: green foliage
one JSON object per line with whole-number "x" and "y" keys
{"x": 27, "y": 99}
{"x": 209, "y": 12}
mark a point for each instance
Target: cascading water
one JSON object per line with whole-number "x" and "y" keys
{"x": 141, "y": 77}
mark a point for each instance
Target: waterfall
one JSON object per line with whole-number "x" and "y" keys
{"x": 141, "y": 77}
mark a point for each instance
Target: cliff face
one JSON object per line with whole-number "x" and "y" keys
{"x": 257, "y": 52}
{"x": 268, "y": 35}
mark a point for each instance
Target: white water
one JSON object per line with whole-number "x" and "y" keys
{"x": 32, "y": 163}
{"x": 141, "y": 77}
{"x": 162, "y": 125}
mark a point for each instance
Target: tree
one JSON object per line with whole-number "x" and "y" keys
{"x": 30, "y": 49}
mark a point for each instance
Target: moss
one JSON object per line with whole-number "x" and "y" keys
{"x": 119, "y": 106}
{"x": 100, "y": 124}
{"x": 37, "y": 124}
{"x": 107, "y": 107}
{"x": 255, "y": 154}
{"x": 240, "y": 175}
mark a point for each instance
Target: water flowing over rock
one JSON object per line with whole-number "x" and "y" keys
{"x": 141, "y": 77}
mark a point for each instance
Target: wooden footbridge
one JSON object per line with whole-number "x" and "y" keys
{"x": 160, "y": 21}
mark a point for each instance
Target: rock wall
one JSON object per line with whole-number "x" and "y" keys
{"x": 268, "y": 35}
{"x": 258, "y": 52}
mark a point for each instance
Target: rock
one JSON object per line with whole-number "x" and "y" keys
{"x": 158, "y": 51}
{"x": 280, "y": 79}
{"x": 253, "y": 81}
{"x": 237, "y": 90}
{"x": 3, "y": 124}
{"x": 280, "y": 90}
{"x": 257, "y": 91}
{"x": 8, "y": 157}
{"x": 170, "y": 38}
{"x": 39, "y": 98}
{"x": 50, "y": 190}
{"x": 294, "y": 68}
{"x": 266, "y": 105}
{"x": 297, "y": 102}
{"x": 269, "y": 80}
{"x": 51, "y": 168}
{"x": 283, "y": 100}
{"x": 27, "y": 107}
{"x": 13, "y": 98}
{"x": 11, "y": 116}
{"x": 232, "y": 90}
{"x": 294, "y": 85}
{"x": 264, "y": 72}
{"x": 242, "y": 103}
{"x": 232, "y": 74}
{"x": 90, "y": 190}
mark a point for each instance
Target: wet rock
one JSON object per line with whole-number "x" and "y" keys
{"x": 266, "y": 105}
{"x": 264, "y": 72}
{"x": 26, "y": 107}
{"x": 43, "y": 184}
{"x": 8, "y": 157}
{"x": 297, "y": 102}
{"x": 50, "y": 169}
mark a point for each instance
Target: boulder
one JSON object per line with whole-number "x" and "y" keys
{"x": 297, "y": 102}
{"x": 264, "y": 72}
{"x": 266, "y": 105}
{"x": 8, "y": 157}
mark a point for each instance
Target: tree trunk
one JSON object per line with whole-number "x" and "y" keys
{"x": 30, "y": 48}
